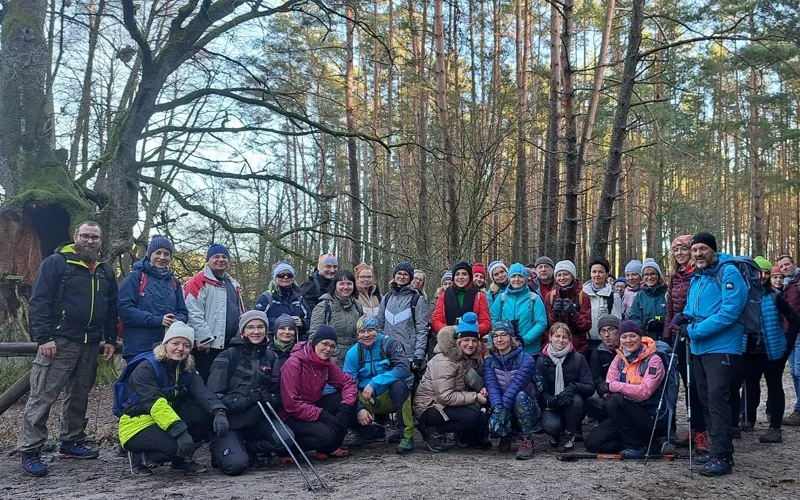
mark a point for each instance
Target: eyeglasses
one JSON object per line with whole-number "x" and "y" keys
{"x": 500, "y": 335}
{"x": 255, "y": 328}
{"x": 608, "y": 329}
{"x": 89, "y": 237}
{"x": 285, "y": 276}
{"x": 327, "y": 345}
{"x": 650, "y": 275}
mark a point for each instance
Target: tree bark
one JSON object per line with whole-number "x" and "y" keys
{"x": 521, "y": 249}
{"x": 618, "y": 133}
{"x": 569, "y": 229}
{"x": 548, "y": 234}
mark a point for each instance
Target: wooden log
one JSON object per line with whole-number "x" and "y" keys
{"x": 19, "y": 349}
{"x": 15, "y": 392}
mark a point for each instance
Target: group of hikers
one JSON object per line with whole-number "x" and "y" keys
{"x": 497, "y": 352}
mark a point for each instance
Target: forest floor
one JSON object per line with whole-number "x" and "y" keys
{"x": 762, "y": 471}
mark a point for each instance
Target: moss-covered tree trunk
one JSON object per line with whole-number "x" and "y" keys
{"x": 40, "y": 200}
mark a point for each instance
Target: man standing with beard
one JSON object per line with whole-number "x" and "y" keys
{"x": 717, "y": 297}
{"x": 73, "y": 307}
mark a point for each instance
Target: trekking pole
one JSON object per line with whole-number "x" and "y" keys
{"x": 288, "y": 448}
{"x": 294, "y": 442}
{"x": 574, "y": 457}
{"x": 689, "y": 394}
{"x": 658, "y": 410}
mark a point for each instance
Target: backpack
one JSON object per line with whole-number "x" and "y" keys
{"x": 142, "y": 284}
{"x": 69, "y": 270}
{"x": 383, "y": 345}
{"x": 124, "y": 398}
{"x": 747, "y": 267}
{"x": 551, "y": 298}
{"x": 670, "y": 386}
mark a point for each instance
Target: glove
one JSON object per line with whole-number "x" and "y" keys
{"x": 568, "y": 307}
{"x": 416, "y": 364}
{"x": 603, "y": 389}
{"x": 654, "y": 326}
{"x": 221, "y": 425}
{"x": 683, "y": 332}
{"x": 343, "y": 415}
{"x": 565, "y": 397}
{"x": 256, "y": 395}
{"x": 499, "y": 421}
{"x": 558, "y": 305}
{"x": 554, "y": 403}
{"x": 681, "y": 319}
{"x": 185, "y": 444}
{"x": 329, "y": 420}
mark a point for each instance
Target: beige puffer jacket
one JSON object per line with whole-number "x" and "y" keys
{"x": 444, "y": 382}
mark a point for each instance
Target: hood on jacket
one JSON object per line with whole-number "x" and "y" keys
{"x": 446, "y": 344}
{"x": 606, "y": 291}
{"x": 304, "y": 350}
{"x": 144, "y": 265}
{"x": 547, "y": 354}
{"x": 68, "y": 250}
{"x": 345, "y": 303}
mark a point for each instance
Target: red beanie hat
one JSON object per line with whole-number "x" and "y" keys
{"x": 479, "y": 268}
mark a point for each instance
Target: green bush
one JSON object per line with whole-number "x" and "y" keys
{"x": 11, "y": 369}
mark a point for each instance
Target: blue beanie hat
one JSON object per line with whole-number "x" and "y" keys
{"x": 324, "y": 332}
{"x": 157, "y": 242}
{"x": 621, "y": 279}
{"x": 634, "y": 266}
{"x": 518, "y": 268}
{"x": 404, "y": 266}
{"x": 280, "y": 267}
{"x": 503, "y": 326}
{"x": 216, "y": 248}
{"x": 468, "y": 326}
{"x": 367, "y": 322}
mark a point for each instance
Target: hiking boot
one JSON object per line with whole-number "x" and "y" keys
{"x": 396, "y": 436}
{"x": 138, "y": 468}
{"x": 578, "y": 436}
{"x": 405, "y": 446}
{"x": 700, "y": 441}
{"x": 33, "y": 465}
{"x": 684, "y": 441}
{"x": 633, "y": 453}
{"x": 554, "y": 441}
{"x": 359, "y": 441}
{"x": 525, "y": 450}
{"x": 436, "y": 441}
{"x": 567, "y": 443}
{"x": 77, "y": 450}
{"x": 792, "y": 420}
{"x": 482, "y": 443}
{"x": 378, "y": 434}
{"x": 707, "y": 457}
{"x": 505, "y": 445}
{"x": 771, "y": 436}
{"x": 736, "y": 432}
{"x": 188, "y": 466}
{"x": 716, "y": 467}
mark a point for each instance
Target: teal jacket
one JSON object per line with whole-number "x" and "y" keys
{"x": 381, "y": 365}
{"x": 650, "y": 304}
{"x": 515, "y": 304}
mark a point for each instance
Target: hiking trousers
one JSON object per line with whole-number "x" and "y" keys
{"x": 397, "y": 399}
{"x": 691, "y": 395}
{"x": 232, "y": 453}
{"x": 316, "y": 435}
{"x": 756, "y": 365}
{"x": 72, "y": 370}
{"x": 160, "y": 446}
{"x": 628, "y": 426}
{"x": 567, "y": 418}
{"x": 714, "y": 373}
{"x": 464, "y": 419}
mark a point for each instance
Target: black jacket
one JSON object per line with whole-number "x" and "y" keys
{"x": 70, "y": 299}
{"x": 238, "y": 370}
{"x": 600, "y": 363}
{"x": 576, "y": 371}
{"x": 316, "y": 286}
{"x": 144, "y": 383}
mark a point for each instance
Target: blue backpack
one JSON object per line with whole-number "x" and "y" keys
{"x": 747, "y": 267}
{"x": 125, "y": 398}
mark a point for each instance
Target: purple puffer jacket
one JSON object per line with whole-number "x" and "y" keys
{"x": 507, "y": 375}
{"x": 678, "y": 283}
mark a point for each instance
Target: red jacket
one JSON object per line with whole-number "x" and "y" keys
{"x": 480, "y": 307}
{"x": 791, "y": 292}
{"x": 303, "y": 377}
{"x": 580, "y": 323}
{"x": 678, "y": 283}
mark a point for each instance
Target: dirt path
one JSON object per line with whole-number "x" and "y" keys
{"x": 762, "y": 471}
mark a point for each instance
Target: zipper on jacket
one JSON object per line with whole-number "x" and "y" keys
{"x": 61, "y": 321}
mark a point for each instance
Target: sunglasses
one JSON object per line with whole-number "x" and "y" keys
{"x": 285, "y": 276}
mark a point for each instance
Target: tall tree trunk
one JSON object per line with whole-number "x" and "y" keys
{"x": 450, "y": 163}
{"x": 569, "y": 230}
{"x": 352, "y": 150}
{"x": 753, "y": 149}
{"x": 548, "y": 233}
{"x": 618, "y": 133}
{"x": 521, "y": 246}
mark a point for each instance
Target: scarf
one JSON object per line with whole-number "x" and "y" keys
{"x": 558, "y": 358}
{"x": 280, "y": 345}
{"x": 452, "y": 309}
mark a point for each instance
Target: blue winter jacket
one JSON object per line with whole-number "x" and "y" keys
{"x": 507, "y": 375}
{"x": 142, "y": 313}
{"x": 378, "y": 371}
{"x": 275, "y": 302}
{"x": 714, "y": 305}
{"x": 515, "y": 304}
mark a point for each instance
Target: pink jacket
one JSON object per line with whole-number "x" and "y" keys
{"x": 644, "y": 389}
{"x": 303, "y": 378}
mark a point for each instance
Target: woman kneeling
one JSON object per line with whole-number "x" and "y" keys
{"x": 169, "y": 408}
{"x": 633, "y": 390}
{"x": 451, "y": 392}
{"x": 509, "y": 373}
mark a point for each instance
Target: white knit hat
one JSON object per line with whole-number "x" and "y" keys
{"x": 566, "y": 265}
{"x": 179, "y": 329}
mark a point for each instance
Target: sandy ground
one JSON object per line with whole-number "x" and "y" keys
{"x": 762, "y": 471}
